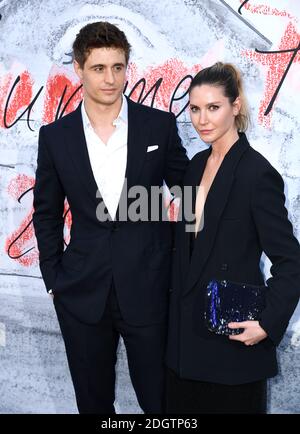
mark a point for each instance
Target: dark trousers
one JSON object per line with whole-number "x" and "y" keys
{"x": 92, "y": 354}
{"x": 199, "y": 397}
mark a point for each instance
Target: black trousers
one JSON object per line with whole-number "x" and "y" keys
{"x": 92, "y": 354}
{"x": 199, "y": 397}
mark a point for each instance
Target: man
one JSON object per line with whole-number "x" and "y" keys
{"x": 113, "y": 278}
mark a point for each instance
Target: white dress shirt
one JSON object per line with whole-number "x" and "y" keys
{"x": 108, "y": 161}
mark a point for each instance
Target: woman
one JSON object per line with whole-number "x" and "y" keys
{"x": 240, "y": 213}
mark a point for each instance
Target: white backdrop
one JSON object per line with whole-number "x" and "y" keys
{"x": 171, "y": 40}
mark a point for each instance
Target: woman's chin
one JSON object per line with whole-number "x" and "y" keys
{"x": 205, "y": 139}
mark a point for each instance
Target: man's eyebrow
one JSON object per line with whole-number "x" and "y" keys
{"x": 97, "y": 65}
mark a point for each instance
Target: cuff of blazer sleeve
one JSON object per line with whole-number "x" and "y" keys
{"x": 275, "y": 335}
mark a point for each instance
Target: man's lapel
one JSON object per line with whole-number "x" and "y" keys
{"x": 78, "y": 152}
{"x": 137, "y": 141}
{"x": 138, "y": 138}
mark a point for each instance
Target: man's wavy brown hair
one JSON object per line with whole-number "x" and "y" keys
{"x": 98, "y": 35}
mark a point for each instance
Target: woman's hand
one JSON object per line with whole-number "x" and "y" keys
{"x": 252, "y": 334}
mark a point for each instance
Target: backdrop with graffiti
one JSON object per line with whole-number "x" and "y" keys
{"x": 171, "y": 40}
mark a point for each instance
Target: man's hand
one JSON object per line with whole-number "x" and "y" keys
{"x": 252, "y": 334}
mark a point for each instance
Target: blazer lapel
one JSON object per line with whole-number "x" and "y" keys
{"x": 192, "y": 179}
{"x": 137, "y": 141}
{"x": 138, "y": 134}
{"x": 77, "y": 149}
{"x": 213, "y": 209}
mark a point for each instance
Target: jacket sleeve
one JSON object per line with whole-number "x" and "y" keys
{"x": 277, "y": 240}
{"x": 48, "y": 221}
{"x": 177, "y": 160}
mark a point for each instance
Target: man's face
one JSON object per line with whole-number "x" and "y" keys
{"x": 103, "y": 75}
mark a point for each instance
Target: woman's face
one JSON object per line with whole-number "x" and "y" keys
{"x": 212, "y": 114}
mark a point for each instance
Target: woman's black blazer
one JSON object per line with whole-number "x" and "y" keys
{"x": 244, "y": 215}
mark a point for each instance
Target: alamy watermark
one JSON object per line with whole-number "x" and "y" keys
{"x": 141, "y": 204}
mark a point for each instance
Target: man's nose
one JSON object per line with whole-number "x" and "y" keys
{"x": 109, "y": 76}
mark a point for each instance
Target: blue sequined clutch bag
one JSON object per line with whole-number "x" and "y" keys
{"x": 227, "y": 302}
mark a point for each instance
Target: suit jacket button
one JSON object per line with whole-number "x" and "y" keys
{"x": 224, "y": 267}
{"x": 115, "y": 227}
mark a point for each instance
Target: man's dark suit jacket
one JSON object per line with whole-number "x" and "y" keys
{"x": 244, "y": 215}
{"x": 133, "y": 255}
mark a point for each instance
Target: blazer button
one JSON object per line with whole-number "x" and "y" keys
{"x": 115, "y": 227}
{"x": 224, "y": 267}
